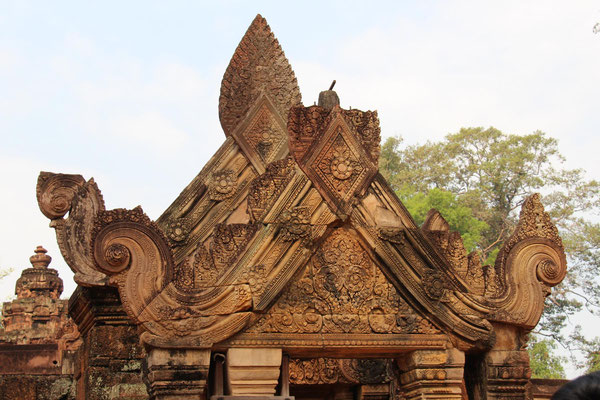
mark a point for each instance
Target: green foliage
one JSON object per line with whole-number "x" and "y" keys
{"x": 478, "y": 178}
{"x": 459, "y": 217}
{"x": 544, "y": 362}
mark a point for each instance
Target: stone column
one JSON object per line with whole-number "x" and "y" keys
{"x": 253, "y": 372}
{"x": 178, "y": 374}
{"x": 432, "y": 374}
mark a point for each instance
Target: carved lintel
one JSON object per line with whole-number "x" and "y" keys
{"x": 346, "y": 371}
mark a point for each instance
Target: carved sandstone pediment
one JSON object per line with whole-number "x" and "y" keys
{"x": 303, "y": 248}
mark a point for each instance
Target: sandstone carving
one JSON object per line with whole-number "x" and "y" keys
{"x": 38, "y": 315}
{"x": 290, "y": 259}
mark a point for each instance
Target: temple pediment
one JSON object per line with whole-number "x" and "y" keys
{"x": 289, "y": 238}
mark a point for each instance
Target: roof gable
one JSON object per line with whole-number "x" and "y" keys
{"x": 257, "y": 215}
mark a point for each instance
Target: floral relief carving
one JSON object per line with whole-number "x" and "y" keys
{"x": 316, "y": 371}
{"x": 434, "y": 284}
{"x": 258, "y": 66}
{"x": 305, "y": 124}
{"x": 202, "y": 268}
{"x": 256, "y": 278}
{"x": 340, "y": 163}
{"x": 265, "y": 135}
{"x": 222, "y": 185}
{"x": 295, "y": 224}
{"x": 342, "y": 290}
{"x": 265, "y": 189}
{"x": 366, "y": 123}
{"x": 337, "y": 149}
{"x": 177, "y": 231}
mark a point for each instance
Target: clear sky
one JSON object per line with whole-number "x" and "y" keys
{"x": 127, "y": 92}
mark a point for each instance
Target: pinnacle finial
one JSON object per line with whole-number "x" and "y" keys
{"x": 40, "y": 259}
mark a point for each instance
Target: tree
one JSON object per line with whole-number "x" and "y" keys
{"x": 489, "y": 173}
{"x": 459, "y": 217}
{"x": 544, "y": 363}
{"x": 591, "y": 352}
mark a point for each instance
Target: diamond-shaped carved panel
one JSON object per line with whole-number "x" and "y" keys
{"x": 263, "y": 134}
{"x": 339, "y": 166}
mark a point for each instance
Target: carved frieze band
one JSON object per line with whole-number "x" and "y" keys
{"x": 318, "y": 371}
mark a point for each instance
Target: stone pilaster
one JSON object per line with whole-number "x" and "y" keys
{"x": 178, "y": 373}
{"x": 253, "y": 371}
{"x": 508, "y": 374}
{"x": 507, "y": 364}
{"x": 111, "y": 357}
{"x": 432, "y": 374}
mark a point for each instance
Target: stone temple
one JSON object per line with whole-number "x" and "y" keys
{"x": 287, "y": 268}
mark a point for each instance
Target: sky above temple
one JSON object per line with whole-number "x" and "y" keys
{"x": 127, "y": 92}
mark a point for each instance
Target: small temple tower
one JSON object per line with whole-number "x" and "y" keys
{"x": 38, "y": 340}
{"x": 37, "y": 315}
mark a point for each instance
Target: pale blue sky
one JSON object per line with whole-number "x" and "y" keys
{"x": 127, "y": 92}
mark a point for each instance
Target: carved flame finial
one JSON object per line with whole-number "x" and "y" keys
{"x": 257, "y": 67}
{"x": 40, "y": 259}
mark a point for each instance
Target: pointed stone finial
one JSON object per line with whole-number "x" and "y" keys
{"x": 258, "y": 67}
{"x": 329, "y": 98}
{"x": 39, "y": 280}
{"x": 40, "y": 259}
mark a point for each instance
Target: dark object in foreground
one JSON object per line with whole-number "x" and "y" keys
{"x": 586, "y": 387}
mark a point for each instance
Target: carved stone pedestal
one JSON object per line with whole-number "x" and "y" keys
{"x": 432, "y": 374}
{"x": 178, "y": 373}
{"x": 253, "y": 372}
{"x": 508, "y": 374}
